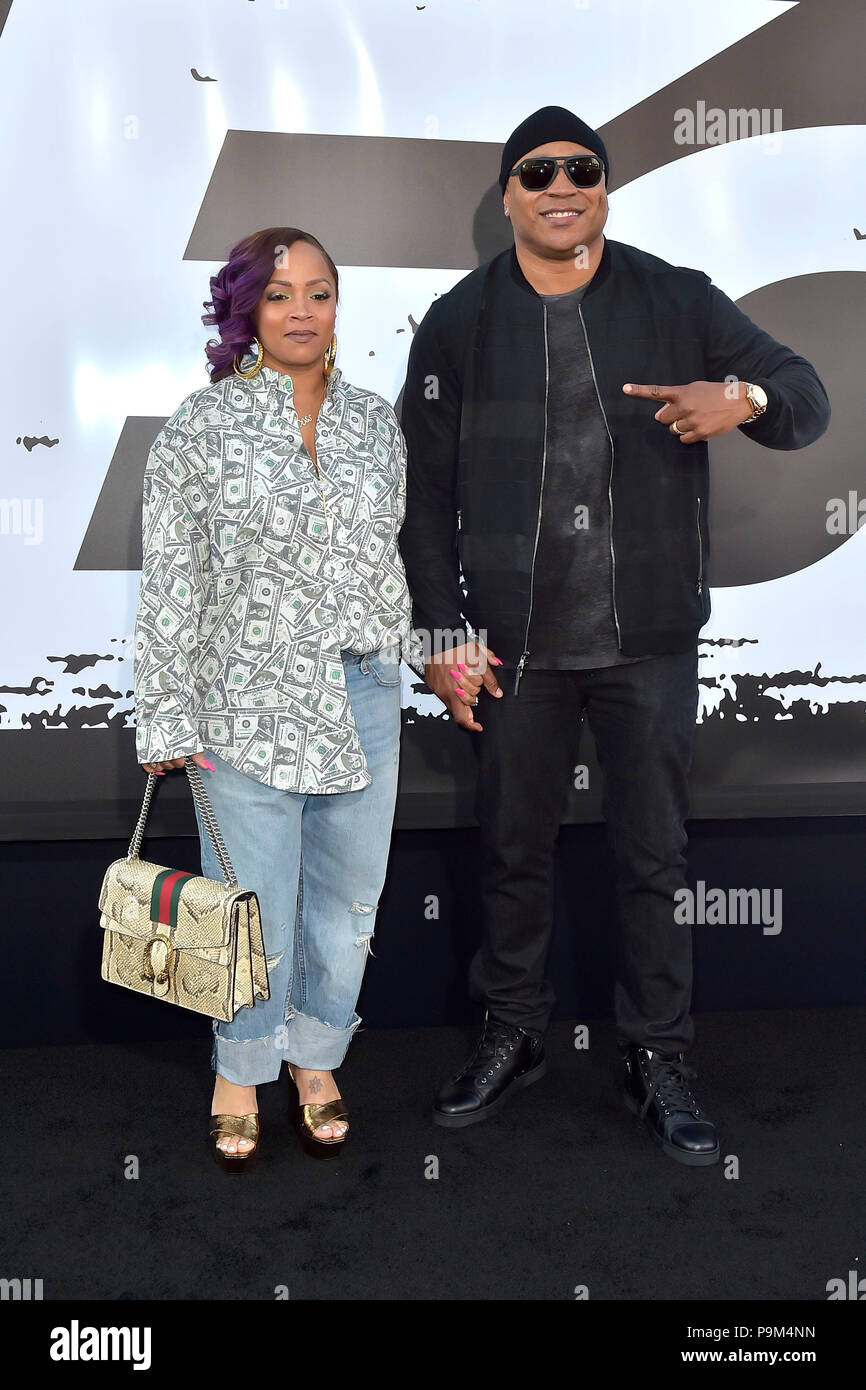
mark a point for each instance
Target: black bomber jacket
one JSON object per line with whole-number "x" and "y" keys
{"x": 474, "y": 416}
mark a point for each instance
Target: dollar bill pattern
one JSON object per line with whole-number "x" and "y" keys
{"x": 256, "y": 574}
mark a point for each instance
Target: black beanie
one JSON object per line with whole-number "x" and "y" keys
{"x": 544, "y": 127}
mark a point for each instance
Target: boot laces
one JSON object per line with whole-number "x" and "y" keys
{"x": 496, "y": 1042}
{"x": 670, "y": 1087}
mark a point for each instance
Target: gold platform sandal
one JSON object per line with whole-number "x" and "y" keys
{"x": 312, "y": 1117}
{"x": 244, "y": 1127}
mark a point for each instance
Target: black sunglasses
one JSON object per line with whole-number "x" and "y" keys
{"x": 584, "y": 170}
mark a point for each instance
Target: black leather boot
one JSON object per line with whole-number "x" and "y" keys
{"x": 505, "y": 1059}
{"x": 657, "y": 1091}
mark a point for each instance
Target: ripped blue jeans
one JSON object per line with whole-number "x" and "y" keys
{"x": 317, "y": 863}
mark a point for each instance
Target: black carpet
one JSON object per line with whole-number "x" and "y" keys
{"x": 561, "y": 1189}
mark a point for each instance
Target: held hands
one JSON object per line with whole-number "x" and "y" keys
{"x": 159, "y": 768}
{"x": 456, "y": 676}
{"x": 699, "y": 410}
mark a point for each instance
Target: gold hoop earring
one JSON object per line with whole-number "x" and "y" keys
{"x": 260, "y": 357}
{"x": 330, "y": 357}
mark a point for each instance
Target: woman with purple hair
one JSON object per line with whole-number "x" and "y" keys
{"x": 272, "y": 615}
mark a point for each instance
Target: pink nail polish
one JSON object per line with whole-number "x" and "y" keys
{"x": 496, "y": 661}
{"x": 462, "y": 667}
{"x": 453, "y": 673}
{"x": 210, "y": 765}
{"x": 460, "y": 692}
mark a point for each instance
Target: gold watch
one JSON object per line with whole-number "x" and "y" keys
{"x": 758, "y": 397}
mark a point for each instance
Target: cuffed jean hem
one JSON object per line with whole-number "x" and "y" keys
{"x": 304, "y": 1041}
{"x": 310, "y": 1043}
{"x": 250, "y": 1063}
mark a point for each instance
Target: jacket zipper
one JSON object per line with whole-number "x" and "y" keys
{"x": 700, "y": 552}
{"x": 609, "y": 481}
{"x": 525, "y": 653}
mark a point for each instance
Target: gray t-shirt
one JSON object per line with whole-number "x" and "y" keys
{"x": 572, "y": 624}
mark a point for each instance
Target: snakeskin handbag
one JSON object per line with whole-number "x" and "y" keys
{"x": 176, "y": 936}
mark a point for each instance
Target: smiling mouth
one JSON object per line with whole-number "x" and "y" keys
{"x": 561, "y": 214}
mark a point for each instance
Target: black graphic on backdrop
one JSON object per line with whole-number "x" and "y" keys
{"x": 30, "y": 441}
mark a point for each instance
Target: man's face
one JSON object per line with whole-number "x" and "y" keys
{"x": 561, "y": 218}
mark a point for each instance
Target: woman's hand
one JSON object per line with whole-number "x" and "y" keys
{"x": 450, "y": 676}
{"x": 159, "y": 768}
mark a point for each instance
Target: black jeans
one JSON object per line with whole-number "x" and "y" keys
{"x": 642, "y": 717}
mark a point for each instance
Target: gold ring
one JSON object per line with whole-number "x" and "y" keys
{"x": 675, "y": 429}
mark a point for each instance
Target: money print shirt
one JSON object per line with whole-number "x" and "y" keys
{"x": 251, "y": 584}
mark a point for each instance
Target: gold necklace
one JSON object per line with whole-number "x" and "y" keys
{"x": 307, "y": 419}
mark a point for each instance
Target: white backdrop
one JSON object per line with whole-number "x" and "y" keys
{"x": 110, "y": 144}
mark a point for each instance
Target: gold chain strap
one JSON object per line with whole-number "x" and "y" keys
{"x": 202, "y": 801}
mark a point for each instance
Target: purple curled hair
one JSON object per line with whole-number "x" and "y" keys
{"x": 237, "y": 288}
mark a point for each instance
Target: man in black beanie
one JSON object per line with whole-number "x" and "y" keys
{"x": 556, "y": 534}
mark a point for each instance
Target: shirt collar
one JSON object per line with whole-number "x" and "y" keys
{"x": 268, "y": 381}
